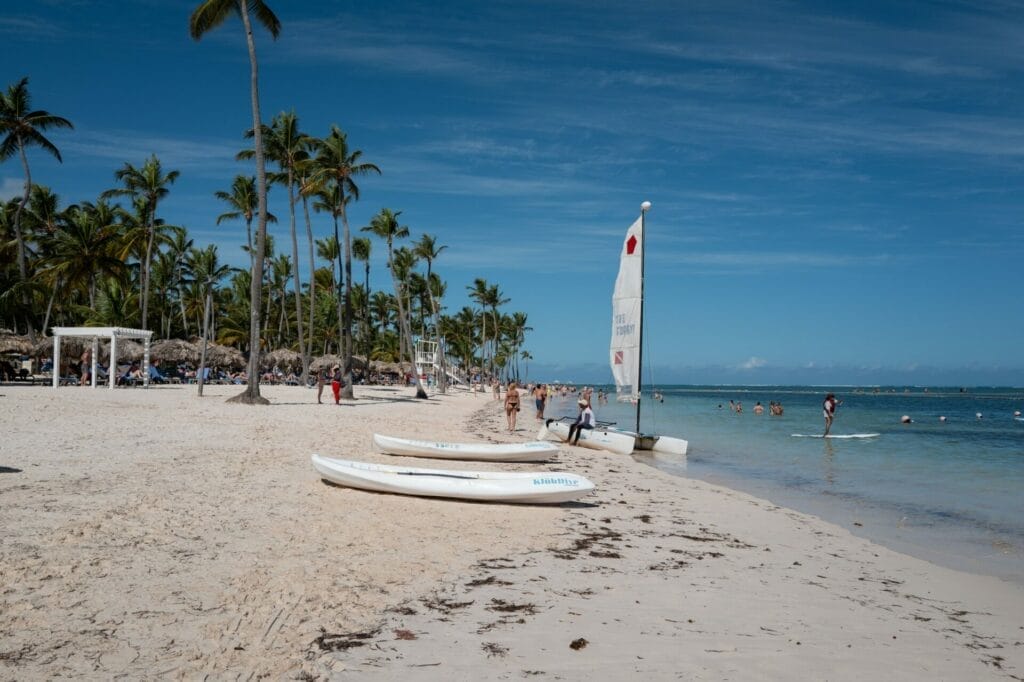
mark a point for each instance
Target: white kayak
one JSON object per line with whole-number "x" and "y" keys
{"x": 598, "y": 438}
{"x": 536, "y": 487}
{"x": 533, "y": 451}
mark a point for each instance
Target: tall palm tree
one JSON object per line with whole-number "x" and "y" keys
{"x": 22, "y": 127}
{"x": 148, "y": 184}
{"x": 207, "y": 16}
{"x": 337, "y": 165}
{"x": 243, "y": 200}
{"x": 207, "y": 272}
{"x": 362, "y": 247}
{"x": 478, "y": 293}
{"x": 385, "y": 225}
{"x": 287, "y": 146}
{"x": 428, "y": 250}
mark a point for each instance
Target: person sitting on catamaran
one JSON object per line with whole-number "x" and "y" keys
{"x": 584, "y": 421}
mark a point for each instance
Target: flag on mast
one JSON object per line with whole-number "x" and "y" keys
{"x": 626, "y": 308}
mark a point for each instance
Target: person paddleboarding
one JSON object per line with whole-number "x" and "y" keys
{"x": 828, "y": 407}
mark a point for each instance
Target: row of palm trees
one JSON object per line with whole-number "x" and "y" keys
{"x": 103, "y": 263}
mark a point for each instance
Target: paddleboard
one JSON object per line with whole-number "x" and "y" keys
{"x": 533, "y": 451}
{"x": 837, "y": 435}
{"x": 520, "y": 487}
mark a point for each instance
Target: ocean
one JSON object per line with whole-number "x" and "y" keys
{"x": 950, "y": 492}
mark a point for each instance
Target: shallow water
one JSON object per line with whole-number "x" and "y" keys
{"x": 950, "y": 492}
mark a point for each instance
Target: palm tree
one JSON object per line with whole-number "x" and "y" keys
{"x": 206, "y": 17}
{"x": 208, "y": 272}
{"x": 244, "y": 202}
{"x": 149, "y": 184}
{"x": 21, "y": 128}
{"x": 385, "y": 225}
{"x": 428, "y": 250}
{"x": 83, "y": 248}
{"x": 478, "y": 293}
{"x": 336, "y": 165}
{"x": 362, "y": 247}
{"x": 287, "y": 146}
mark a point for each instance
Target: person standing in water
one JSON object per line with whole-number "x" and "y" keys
{"x": 828, "y": 408}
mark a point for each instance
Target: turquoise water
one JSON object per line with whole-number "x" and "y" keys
{"x": 950, "y": 492}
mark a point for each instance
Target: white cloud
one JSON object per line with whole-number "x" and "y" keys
{"x": 753, "y": 362}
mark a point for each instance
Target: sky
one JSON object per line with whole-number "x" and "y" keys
{"x": 836, "y": 188}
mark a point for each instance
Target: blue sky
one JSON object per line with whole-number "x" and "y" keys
{"x": 836, "y": 188}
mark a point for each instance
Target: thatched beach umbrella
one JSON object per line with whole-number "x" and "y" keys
{"x": 70, "y": 346}
{"x": 173, "y": 350}
{"x": 13, "y": 343}
{"x": 284, "y": 358}
{"x": 224, "y": 356}
{"x": 325, "y": 362}
{"x": 127, "y": 350}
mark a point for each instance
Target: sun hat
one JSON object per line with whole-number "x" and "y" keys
{"x": 581, "y": 402}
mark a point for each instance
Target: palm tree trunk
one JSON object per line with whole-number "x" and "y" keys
{"x": 202, "y": 351}
{"x": 252, "y": 389}
{"x": 340, "y": 293}
{"x": 312, "y": 291}
{"x": 147, "y": 264}
{"x": 404, "y": 330}
{"x": 22, "y": 261}
{"x": 346, "y": 327}
{"x": 297, "y": 279}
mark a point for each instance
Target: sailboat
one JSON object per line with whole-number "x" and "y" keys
{"x": 626, "y": 353}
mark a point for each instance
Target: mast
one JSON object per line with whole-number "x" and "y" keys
{"x": 644, "y": 207}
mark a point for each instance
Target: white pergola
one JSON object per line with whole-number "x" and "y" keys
{"x": 95, "y": 333}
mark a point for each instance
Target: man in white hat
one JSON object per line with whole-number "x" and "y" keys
{"x": 584, "y": 421}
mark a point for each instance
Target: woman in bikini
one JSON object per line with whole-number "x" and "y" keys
{"x": 511, "y": 406}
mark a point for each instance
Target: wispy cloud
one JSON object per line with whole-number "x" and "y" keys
{"x": 134, "y": 147}
{"x": 34, "y": 27}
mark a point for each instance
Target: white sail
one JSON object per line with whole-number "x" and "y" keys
{"x": 626, "y": 313}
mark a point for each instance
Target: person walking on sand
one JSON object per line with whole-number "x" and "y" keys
{"x": 828, "y": 408}
{"x": 319, "y": 386}
{"x": 584, "y": 421}
{"x": 540, "y": 396}
{"x": 511, "y": 406}
{"x": 336, "y": 383}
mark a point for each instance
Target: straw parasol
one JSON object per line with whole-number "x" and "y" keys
{"x": 174, "y": 350}
{"x": 224, "y": 356}
{"x": 69, "y": 346}
{"x": 127, "y": 349}
{"x": 285, "y": 358}
{"x": 13, "y": 343}
{"x": 325, "y": 362}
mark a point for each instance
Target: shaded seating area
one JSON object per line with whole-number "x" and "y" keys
{"x": 95, "y": 333}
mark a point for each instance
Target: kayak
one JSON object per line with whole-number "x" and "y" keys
{"x": 598, "y": 438}
{"x": 533, "y": 451}
{"x": 536, "y": 487}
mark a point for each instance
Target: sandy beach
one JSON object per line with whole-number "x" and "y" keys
{"x": 152, "y": 533}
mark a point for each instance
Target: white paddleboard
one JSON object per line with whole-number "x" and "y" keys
{"x": 836, "y": 435}
{"x": 533, "y": 451}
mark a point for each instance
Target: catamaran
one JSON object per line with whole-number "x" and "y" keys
{"x": 626, "y": 355}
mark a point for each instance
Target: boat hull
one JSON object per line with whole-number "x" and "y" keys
{"x": 595, "y": 439}
{"x": 661, "y": 445}
{"x": 537, "y": 487}
{"x": 533, "y": 451}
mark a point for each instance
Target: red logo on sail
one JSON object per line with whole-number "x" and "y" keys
{"x": 618, "y": 357}
{"x": 631, "y": 245}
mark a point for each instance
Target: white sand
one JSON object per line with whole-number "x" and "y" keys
{"x": 151, "y": 532}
